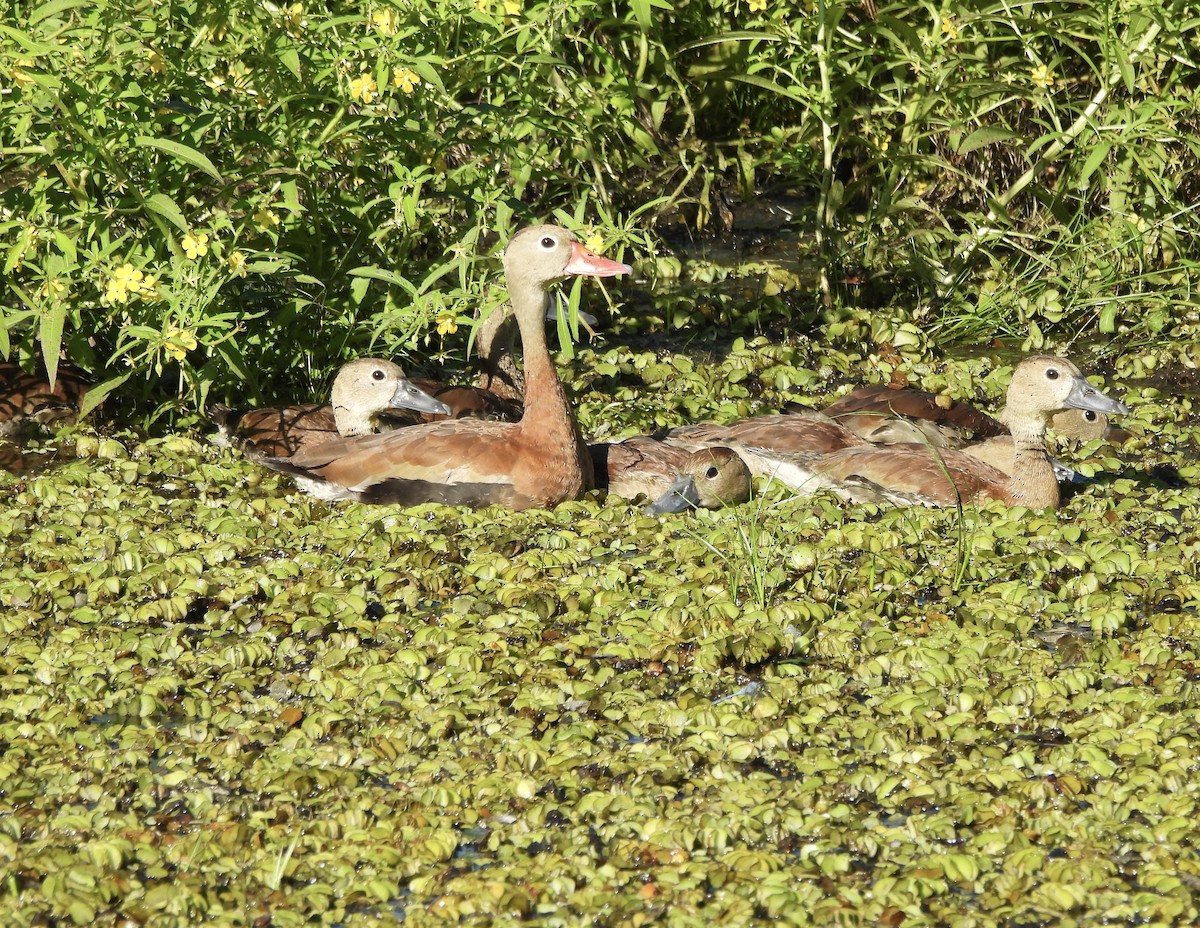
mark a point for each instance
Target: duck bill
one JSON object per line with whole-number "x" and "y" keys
{"x": 589, "y": 264}
{"x": 1084, "y": 396}
{"x": 408, "y": 396}
{"x": 680, "y": 496}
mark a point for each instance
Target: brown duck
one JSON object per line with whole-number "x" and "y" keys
{"x": 537, "y": 462}
{"x": 362, "y": 391}
{"x": 919, "y": 474}
{"x": 673, "y": 477}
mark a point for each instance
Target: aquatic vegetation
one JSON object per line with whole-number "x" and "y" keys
{"x": 221, "y": 699}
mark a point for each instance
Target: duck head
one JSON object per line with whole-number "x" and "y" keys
{"x": 709, "y": 479}
{"x": 368, "y": 386}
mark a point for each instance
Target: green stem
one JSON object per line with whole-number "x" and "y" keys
{"x": 1048, "y": 156}
{"x": 824, "y": 220}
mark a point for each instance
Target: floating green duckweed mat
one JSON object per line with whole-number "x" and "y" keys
{"x": 224, "y": 703}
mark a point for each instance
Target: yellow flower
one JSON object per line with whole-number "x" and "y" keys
{"x": 594, "y": 242}
{"x": 20, "y": 78}
{"x": 447, "y": 324}
{"x": 129, "y": 277}
{"x": 149, "y": 288}
{"x": 265, "y": 218}
{"x": 1042, "y": 77}
{"x": 237, "y": 264}
{"x": 114, "y": 293}
{"x": 158, "y": 64}
{"x": 195, "y": 246}
{"x": 179, "y": 342}
{"x": 293, "y": 20}
{"x": 364, "y": 88}
{"x": 512, "y": 7}
{"x": 756, "y": 6}
{"x": 949, "y": 28}
{"x": 406, "y": 79}
{"x": 53, "y": 288}
{"x": 216, "y": 81}
{"x": 125, "y": 280}
{"x": 387, "y": 22}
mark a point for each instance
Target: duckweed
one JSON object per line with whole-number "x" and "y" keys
{"x": 221, "y": 701}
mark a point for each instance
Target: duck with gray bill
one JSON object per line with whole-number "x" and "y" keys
{"x": 923, "y": 475}
{"x": 363, "y": 391}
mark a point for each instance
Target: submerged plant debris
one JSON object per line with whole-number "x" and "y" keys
{"x": 222, "y": 702}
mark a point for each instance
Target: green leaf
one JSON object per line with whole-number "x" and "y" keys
{"x": 181, "y": 152}
{"x": 95, "y": 396}
{"x": 233, "y": 357}
{"x": 761, "y": 82}
{"x": 429, "y": 73}
{"x": 53, "y": 8}
{"x": 1094, "y": 160}
{"x": 81, "y": 912}
{"x": 50, "y": 331}
{"x": 744, "y": 36}
{"x": 1108, "y": 318}
{"x": 163, "y": 205}
{"x": 389, "y": 277}
{"x": 642, "y": 11}
{"x": 564, "y": 333}
{"x": 27, "y": 43}
{"x": 290, "y": 59}
{"x": 984, "y": 136}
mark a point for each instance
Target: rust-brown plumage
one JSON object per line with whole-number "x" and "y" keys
{"x": 537, "y": 462}
{"x": 892, "y": 415}
{"x": 499, "y": 389}
{"x": 806, "y": 433}
{"x": 866, "y": 409}
{"x": 277, "y": 431}
{"x": 911, "y": 473}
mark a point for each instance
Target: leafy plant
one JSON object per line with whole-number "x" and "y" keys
{"x": 227, "y": 200}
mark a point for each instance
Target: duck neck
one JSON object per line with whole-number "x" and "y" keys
{"x": 548, "y": 414}
{"x": 352, "y": 422}
{"x": 1032, "y": 482}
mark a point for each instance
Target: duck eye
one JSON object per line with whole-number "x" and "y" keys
{"x": 1089, "y": 415}
{"x": 1052, "y": 373}
{"x": 378, "y": 374}
{"x": 711, "y": 473}
{"x": 548, "y": 242}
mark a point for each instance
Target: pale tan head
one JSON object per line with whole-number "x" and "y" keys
{"x": 709, "y": 479}
{"x": 1087, "y": 425}
{"x": 537, "y": 256}
{"x": 1043, "y": 385}
{"x": 368, "y": 386}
